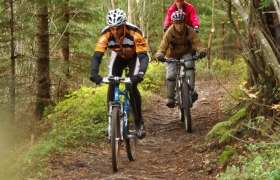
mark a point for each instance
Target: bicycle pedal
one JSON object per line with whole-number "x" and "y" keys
{"x": 141, "y": 135}
{"x": 132, "y": 135}
{"x": 170, "y": 105}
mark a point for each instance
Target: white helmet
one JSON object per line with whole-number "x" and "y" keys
{"x": 178, "y": 16}
{"x": 116, "y": 17}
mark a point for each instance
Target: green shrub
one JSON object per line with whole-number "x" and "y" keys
{"x": 262, "y": 158}
{"x": 76, "y": 122}
{"x": 79, "y": 119}
{"x": 154, "y": 77}
{"x": 223, "y": 70}
{"x": 256, "y": 168}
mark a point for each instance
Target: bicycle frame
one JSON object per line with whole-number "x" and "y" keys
{"x": 181, "y": 73}
{"x": 183, "y": 91}
{"x": 122, "y": 105}
{"x": 118, "y": 126}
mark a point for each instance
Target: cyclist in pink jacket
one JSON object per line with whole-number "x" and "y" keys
{"x": 191, "y": 17}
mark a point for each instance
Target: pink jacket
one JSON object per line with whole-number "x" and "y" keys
{"x": 190, "y": 15}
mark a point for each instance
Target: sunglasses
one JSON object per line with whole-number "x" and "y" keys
{"x": 117, "y": 28}
{"x": 178, "y": 22}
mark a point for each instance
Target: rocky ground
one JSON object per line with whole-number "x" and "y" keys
{"x": 167, "y": 152}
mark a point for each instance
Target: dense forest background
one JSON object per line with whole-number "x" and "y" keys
{"x": 46, "y": 47}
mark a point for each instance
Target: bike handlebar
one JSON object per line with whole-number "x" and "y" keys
{"x": 116, "y": 79}
{"x": 193, "y": 58}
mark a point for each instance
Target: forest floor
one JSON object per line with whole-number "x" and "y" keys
{"x": 167, "y": 152}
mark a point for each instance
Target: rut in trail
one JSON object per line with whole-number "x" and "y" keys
{"x": 167, "y": 152}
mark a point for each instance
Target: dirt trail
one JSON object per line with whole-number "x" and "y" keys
{"x": 167, "y": 152}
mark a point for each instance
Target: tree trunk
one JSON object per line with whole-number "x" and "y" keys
{"x": 113, "y": 4}
{"x": 143, "y": 22}
{"x": 223, "y": 42}
{"x": 65, "y": 40}
{"x": 267, "y": 50}
{"x": 210, "y": 36}
{"x": 273, "y": 22}
{"x": 238, "y": 45}
{"x": 163, "y": 11}
{"x": 146, "y": 26}
{"x": 130, "y": 11}
{"x": 12, "y": 88}
{"x": 276, "y": 4}
{"x": 261, "y": 59}
{"x": 43, "y": 61}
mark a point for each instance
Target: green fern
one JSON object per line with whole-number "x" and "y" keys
{"x": 225, "y": 130}
{"x": 225, "y": 155}
{"x": 227, "y": 135}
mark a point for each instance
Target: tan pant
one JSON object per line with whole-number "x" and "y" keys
{"x": 171, "y": 74}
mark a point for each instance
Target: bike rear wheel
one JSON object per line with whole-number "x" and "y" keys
{"x": 131, "y": 143}
{"x": 186, "y": 106}
{"x": 115, "y": 138}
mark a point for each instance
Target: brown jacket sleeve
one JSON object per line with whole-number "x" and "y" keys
{"x": 165, "y": 42}
{"x": 195, "y": 40}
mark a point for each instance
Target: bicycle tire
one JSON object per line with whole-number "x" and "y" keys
{"x": 186, "y": 105}
{"x": 179, "y": 100}
{"x": 131, "y": 143}
{"x": 115, "y": 138}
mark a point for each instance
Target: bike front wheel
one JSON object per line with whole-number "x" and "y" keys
{"x": 115, "y": 138}
{"x": 131, "y": 140}
{"x": 180, "y": 99}
{"x": 186, "y": 108}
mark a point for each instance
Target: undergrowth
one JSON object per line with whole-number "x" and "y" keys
{"x": 81, "y": 118}
{"x": 222, "y": 70}
{"x": 76, "y": 122}
{"x": 251, "y": 144}
{"x": 258, "y": 144}
{"x": 261, "y": 162}
{"x": 225, "y": 130}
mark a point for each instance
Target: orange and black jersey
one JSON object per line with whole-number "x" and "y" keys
{"x": 130, "y": 44}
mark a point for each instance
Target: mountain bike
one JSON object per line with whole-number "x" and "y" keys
{"x": 184, "y": 92}
{"x": 121, "y": 126}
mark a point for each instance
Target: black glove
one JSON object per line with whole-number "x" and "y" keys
{"x": 137, "y": 78}
{"x": 202, "y": 54}
{"x": 96, "y": 78}
{"x": 196, "y": 28}
{"x": 161, "y": 58}
{"x": 165, "y": 29}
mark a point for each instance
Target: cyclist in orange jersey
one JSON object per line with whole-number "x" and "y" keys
{"x": 128, "y": 49}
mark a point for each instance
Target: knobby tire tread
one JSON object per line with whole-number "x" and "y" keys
{"x": 187, "y": 105}
{"x": 180, "y": 100}
{"x": 115, "y": 138}
{"x": 131, "y": 143}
